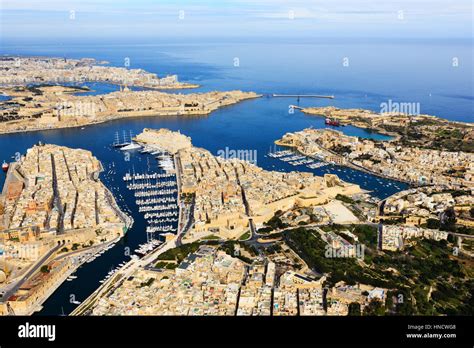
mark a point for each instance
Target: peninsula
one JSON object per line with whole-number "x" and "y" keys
{"x": 412, "y": 164}
{"x": 43, "y": 93}
{"x": 52, "y": 107}
{"x": 407, "y": 125}
{"x": 230, "y": 195}
{"x": 54, "y": 215}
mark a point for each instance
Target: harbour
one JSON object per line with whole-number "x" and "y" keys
{"x": 254, "y": 124}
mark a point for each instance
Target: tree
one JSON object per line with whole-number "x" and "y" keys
{"x": 375, "y": 307}
{"x": 44, "y": 269}
{"x": 448, "y": 219}
{"x": 354, "y": 309}
{"x": 451, "y": 238}
{"x": 433, "y": 224}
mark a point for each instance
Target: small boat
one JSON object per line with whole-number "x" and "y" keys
{"x": 5, "y": 166}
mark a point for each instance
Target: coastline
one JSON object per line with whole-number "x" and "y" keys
{"x": 125, "y": 116}
{"x": 348, "y": 122}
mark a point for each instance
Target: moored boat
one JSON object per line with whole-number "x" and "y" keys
{"x": 5, "y": 166}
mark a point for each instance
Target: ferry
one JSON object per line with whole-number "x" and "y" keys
{"x": 5, "y": 166}
{"x": 334, "y": 123}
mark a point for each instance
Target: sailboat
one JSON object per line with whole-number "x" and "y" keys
{"x": 117, "y": 142}
{"x": 131, "y": 146}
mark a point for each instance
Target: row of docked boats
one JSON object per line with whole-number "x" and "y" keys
{"x": 156, "y": 200}
{"x": 296, "y": 159}
{"x": 158, "y": 193}
{"x": 147, "y": 247}
{"x": 146, "y": 176}
{"x": 160, "y": 215}
{"x": 151, "y": 185}
{"x": 100, "y": 253}
{"x": 165, "y": 160}
{"x": 157, "y": 207}
{"x": 114, "y": 270}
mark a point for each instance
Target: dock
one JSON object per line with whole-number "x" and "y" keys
{"x": 303, "y": 96}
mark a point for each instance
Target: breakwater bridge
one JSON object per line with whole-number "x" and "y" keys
{"x": 301, "y": 96}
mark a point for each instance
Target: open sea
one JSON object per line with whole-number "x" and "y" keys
{"x": 360, "y": 74}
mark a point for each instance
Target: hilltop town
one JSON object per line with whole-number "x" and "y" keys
{"x": 53, "y": 205}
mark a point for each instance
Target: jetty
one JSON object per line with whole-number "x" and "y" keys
{"x": 303, "y": 96}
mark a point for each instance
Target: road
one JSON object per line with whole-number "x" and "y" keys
{"x": 187, "y": 215}
{"x": 29, "y": 273}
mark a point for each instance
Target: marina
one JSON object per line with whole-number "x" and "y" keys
{"x": 296, "y": 159}
{"x": 366, "y": 180}
{"x": 156, "y": 197}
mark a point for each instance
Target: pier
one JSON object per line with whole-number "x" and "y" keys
{"x": 302, "y": 96}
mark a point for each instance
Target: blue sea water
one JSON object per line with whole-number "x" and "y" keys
{"x": 414, "y": 71}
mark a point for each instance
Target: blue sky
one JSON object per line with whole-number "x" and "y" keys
{"x": 236, "y": 18}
